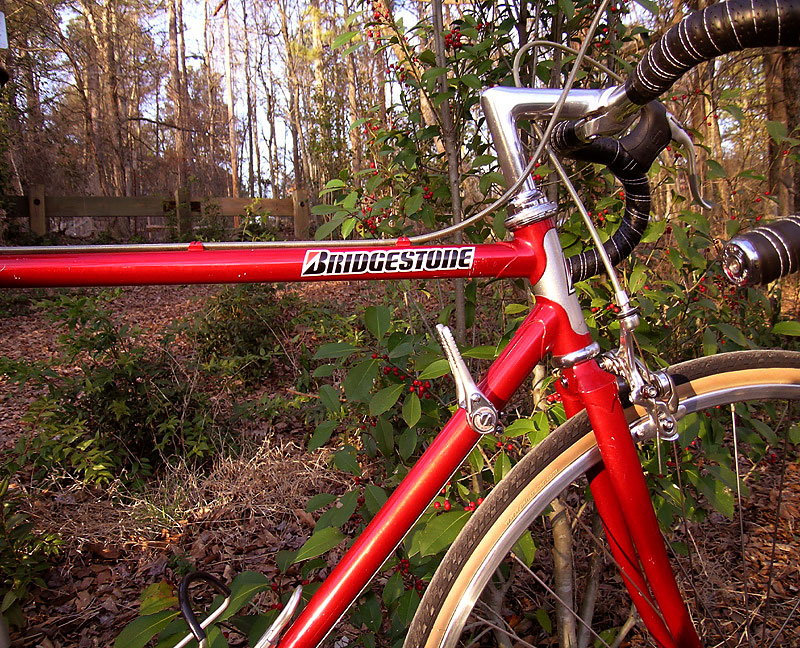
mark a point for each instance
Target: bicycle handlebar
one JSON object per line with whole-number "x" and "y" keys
{"x": 624, "y": 158}
{"x": 718, "y": 29}
{"x": 703, "y": 35}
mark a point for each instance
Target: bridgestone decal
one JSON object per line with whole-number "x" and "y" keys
{"x": 329, "y": 262}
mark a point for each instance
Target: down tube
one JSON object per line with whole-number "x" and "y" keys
{"x": 415, "y": 493}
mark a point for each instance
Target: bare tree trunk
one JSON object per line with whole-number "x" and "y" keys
{"x": 791, "y": 84}
{"x": 231, "y": 115}
{"x": 449, "y": 136}
{"x": 112, "y": 95}
{"x": 211, "y": 137}
{"x": 592, "y": 585}
{"x": 294, "y": 100}
{"x": 272, "y": 145}
{"x": 35, "y": 167}
{"x": 97, "y": 184}
{"x": 563, "y": 577}
{"x": 250, "y": 107}
{"x": 352, "y": 103}
{"x": 779, "y": 180}
{"x": 176, "y": 92}
{"x": 188, "y": 145}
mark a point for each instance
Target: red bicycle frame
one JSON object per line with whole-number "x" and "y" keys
{"x": 619, "y": 489}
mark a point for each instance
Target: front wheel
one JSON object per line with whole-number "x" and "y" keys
{"x": 532, "y": 564}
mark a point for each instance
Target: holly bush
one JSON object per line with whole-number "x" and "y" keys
{"x": 383, "y": 387}
{"x": 113, "y": 406}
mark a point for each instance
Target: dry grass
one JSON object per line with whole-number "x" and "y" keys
{"x": 232, "y": 518}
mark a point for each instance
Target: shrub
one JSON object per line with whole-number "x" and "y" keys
{"x": 119, "y": 407}
{"x": 24, "y": 554}
{"x": 244, "y": 330}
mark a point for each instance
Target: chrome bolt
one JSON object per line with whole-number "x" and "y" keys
{"x": 648, "y": 391}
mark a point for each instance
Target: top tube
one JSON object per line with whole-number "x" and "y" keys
{"x": 201, "y": 263}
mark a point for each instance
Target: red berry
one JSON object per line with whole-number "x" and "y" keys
{"x": 374, "y": 356}
{"x": 447, "y": 505}
{"x": 437, "y": 505}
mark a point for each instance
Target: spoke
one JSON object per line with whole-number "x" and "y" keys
{"x": 777, "y": 525}
{"x": 510, "y": 632}
{"x": 791, "y": 614}
{"x": 559, "y": 599}
{"x": 741, "y": 529}
{"x": 610, "y": 556}
{"x": 478, "y": 623}
{"x": 690, "y": 538}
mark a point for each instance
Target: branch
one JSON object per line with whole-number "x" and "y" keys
{"x": 158, "y": 122}
{"x": 221, "y": 4}
{"x": 592, "y": 585}
{"x": 563, "y": 571}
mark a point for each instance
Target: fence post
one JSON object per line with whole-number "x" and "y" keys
{"x": 301, "y": 214}
{"x": 37, "y": 216}
{"x": 183, "y": 211}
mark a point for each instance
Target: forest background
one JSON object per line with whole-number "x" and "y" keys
{"x": 372, "y": 109}
{"x": 252, "y": 99}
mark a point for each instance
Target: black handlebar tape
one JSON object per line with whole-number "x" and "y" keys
{"x": 763, "y": 254}
{"x": 632, "y": 175}
{"x": 186, "y": 605}
{"x": 717, "y": 29}
{"x": 650, "y": 136}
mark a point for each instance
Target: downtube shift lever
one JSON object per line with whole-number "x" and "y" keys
{"x": 482, "y": 415}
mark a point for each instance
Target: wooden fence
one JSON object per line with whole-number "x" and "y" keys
{"x": 150, "y": 217}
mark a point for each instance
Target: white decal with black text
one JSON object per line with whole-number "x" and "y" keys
{"x": 320, "y": 263}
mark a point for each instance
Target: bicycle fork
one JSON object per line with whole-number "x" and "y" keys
{"x": 623, "y": 502}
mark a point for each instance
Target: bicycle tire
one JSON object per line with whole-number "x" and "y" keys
{"x": 521, "y": 498}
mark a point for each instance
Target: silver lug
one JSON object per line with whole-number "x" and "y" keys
{"x": 481, "y": 413}
{"x": 530, "y": 207}
{"x": 273, "y": 633}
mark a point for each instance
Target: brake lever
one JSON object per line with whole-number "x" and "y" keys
{"x": 679, "y": 135}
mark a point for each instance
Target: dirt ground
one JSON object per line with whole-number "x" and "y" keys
{"x": 116, "y": 543}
